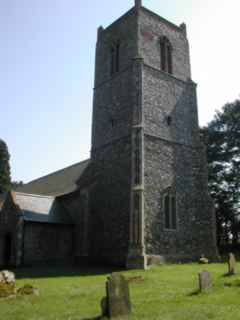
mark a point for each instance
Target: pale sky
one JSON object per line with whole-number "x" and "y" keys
{"x": 47, "y": 68}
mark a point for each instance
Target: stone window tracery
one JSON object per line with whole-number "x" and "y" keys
{"x": 137, "y": 157}
{"x": 166, "y": 54}
{"x": 114, "y": 52}
{"x": 113, "y": 122}
{"x": 169, "y": 120}
{"x": 169, "y": 208}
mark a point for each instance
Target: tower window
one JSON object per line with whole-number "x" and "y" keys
{"x": 112, "y": 121}
{"x": 170, "y": 214}
{"x": 112, "y": 60}
{"x": 115, "y": 55}
{"x": 169, "y": 120}
{"x": 166, "y": 55}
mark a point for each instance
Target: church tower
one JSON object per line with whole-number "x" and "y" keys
{"x": 149, "y": 197}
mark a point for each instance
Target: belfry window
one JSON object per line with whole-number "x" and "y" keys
{"x": 113, "y": 122}
{"x": 166, "y": 55}
{"x": 169, "y": 207}
{"x": 169, "y": 120}
{"x": 114, "y": 51}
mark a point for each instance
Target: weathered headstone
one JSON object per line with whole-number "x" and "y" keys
{"x": 7, "y": 277}
{"x": 117, "y": 303}
{"x": 205, "y": 281}
{"x": 232, "y": 264}
{"x": 203, "y": 260}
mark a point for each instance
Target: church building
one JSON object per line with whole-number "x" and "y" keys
{"x": 142, "y": 196}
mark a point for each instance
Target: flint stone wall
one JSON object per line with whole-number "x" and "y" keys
{"x": 77, "y": 208}
{"x": 46, "y": 243}
{"x": 152, "y": 28}
{"x": 110, "y": 203}
{"x": 172, "y": 165}
{"x": 174, "y": 155}
{"x": 109, "y": 199}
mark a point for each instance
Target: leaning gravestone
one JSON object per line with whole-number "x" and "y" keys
{"x": 117, "y": 302}
{"x": 205, "y": 281}
{"x": 231, "y": 264}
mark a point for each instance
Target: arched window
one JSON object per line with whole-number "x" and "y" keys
{"x": 169, "y": 207}
{"x": 166, "y": 55}
{"x": 169, "y": 120}
{"x": 114, "y": 52}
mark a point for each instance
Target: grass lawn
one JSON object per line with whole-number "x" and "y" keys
{"x": 167, "y": 293}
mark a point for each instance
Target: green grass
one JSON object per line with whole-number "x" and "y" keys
{"x": 167, "y": 293}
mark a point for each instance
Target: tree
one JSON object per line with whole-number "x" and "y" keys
{"x": 222, "y": 138}
{"x": 5, "y": 179}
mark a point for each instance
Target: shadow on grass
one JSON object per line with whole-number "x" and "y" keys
{"x": 198, "y": 292}
{"x": 235, "y": 283}
{"x": 228, "y": 275}
{"x": 103, "y": 318}
{"x": 97, "y": 318}
{"x": 194, "y": 293}
{"x": 58, "y": 271}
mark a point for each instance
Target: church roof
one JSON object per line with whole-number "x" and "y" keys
{"x": 37, "y": 208}
{"x": 57, "y": 183}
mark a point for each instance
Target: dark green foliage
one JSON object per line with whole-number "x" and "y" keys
{"x": 5, "y": 179}
{"x": 222, "y": 138}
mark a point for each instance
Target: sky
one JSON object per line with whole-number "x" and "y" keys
{"x": 47, "y": 70}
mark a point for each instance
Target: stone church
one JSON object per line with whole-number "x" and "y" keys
{"x": 142, "y": 196}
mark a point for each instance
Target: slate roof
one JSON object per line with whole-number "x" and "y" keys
{"x": 57, "y": 183}
{"x": 39, "y": 208}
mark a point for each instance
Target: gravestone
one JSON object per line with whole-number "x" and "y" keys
{"x": 7, "y": 277}
{"x": 117, "y": 303}
{"x": 205, "y": 281}
{"x": 203, "y": 260}
{"x": 232, "y": 264}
